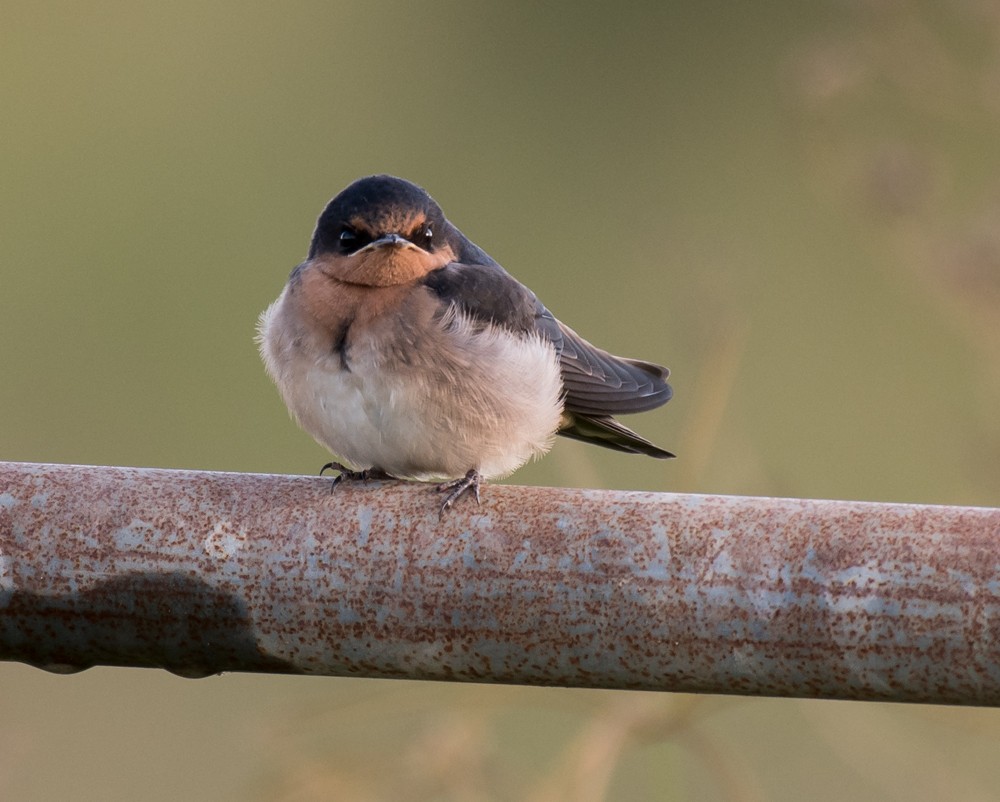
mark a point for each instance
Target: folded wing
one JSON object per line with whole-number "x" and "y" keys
{"x": 597, "y": 385}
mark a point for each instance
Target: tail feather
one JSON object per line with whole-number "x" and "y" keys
{"x": 605, "y": 431}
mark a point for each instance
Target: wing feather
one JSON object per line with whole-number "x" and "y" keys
{"x": 596, "y": 383}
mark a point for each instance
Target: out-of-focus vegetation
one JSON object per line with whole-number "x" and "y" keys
{"x": 796, "y": 206}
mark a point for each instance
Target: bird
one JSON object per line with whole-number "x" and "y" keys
{"x": 409, "y": 353}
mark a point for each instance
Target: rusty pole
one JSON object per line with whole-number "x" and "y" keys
{"x": 206, "y": 572}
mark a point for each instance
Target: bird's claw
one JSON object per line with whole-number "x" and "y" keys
{"x": 346, "y": 474}
{"x": 471, "y": 481}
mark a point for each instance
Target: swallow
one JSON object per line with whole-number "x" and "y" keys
{"x": 409, "y": 353}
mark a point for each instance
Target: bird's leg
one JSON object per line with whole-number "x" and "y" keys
{"x": 346, "y": 474}
{"x": 471, "y": 480}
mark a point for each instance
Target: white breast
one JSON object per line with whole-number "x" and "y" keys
{"x": 459, "y": 399}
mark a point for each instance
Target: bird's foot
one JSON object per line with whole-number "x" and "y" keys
{"x": 471, "y": 481}
{"x": 346, "y": 474}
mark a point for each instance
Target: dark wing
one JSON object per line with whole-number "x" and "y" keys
{"x": 486, "y": 293}
{"x": 599, "y": 383}
{"x": 596, "y": 384}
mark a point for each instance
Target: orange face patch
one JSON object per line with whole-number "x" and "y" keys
{"x": 384, "y": 267}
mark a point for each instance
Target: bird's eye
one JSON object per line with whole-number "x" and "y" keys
{"x": 348, "y": 239}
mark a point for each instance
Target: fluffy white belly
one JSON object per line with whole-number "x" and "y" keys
{"x": 488, "y": 400}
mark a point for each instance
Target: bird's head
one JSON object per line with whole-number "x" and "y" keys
{"x": 381, "y": 231}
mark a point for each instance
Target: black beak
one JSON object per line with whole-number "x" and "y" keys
{"x": 388, "y": 241}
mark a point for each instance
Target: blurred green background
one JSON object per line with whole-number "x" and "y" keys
{"x": 796, "y": 206}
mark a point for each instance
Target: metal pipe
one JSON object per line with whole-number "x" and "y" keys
{"x": 205, "y": 572}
